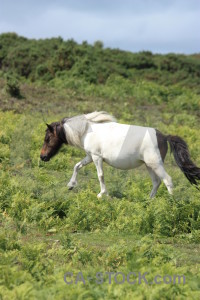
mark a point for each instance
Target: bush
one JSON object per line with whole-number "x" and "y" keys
{"x": 12, "y": 86}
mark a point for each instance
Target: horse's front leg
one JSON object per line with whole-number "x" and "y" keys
{"x": 98, "y": 161}
{"x": 73, "y": 182}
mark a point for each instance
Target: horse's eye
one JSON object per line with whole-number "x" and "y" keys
{"x": 48, "y": 140}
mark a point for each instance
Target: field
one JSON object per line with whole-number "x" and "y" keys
{"x": 47, "y": 230}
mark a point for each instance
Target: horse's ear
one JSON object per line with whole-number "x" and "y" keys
{"x": 50, "y": 127}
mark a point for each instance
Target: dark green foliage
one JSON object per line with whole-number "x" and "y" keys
{"x": 44, "y": 59}
{"x": 12, "y": 86}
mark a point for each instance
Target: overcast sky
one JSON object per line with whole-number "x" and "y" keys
{"x": 160, "y": 26}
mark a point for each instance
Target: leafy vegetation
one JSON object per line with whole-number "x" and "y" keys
{"x": 48, "y": 59}
{"x": 47, "y": 230}
{"x": 12, "y": 86}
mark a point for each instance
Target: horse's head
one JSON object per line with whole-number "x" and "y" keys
{"x": 54, "y": 138}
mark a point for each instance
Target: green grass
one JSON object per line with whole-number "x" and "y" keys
{"x": 47, "y": 230}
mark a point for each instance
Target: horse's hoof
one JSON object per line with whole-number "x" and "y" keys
{"x": 100, "y": 195}
{"x": 71, "y": 185}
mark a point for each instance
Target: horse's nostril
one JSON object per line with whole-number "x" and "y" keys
{"x": 43, "y": 157}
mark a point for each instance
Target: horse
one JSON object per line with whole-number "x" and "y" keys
{"x": 121, "y": 146}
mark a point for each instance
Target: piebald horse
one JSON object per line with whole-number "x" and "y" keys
{"x": 120, "y": 146}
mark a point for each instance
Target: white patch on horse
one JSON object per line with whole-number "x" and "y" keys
{"x": 75, "y": 127}
{"x": 149, "y": 147}
{"x": 100, "y": 117}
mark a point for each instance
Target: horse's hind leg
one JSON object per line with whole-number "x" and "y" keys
{"x": 155, "y": 180}
{"x": 98, "y": 161}
{"x": 159, "y": 170}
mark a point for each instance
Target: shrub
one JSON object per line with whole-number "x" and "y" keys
{"x": 12, "y": 86}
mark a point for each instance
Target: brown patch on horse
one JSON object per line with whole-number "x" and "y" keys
{"x": 60, "y": 133}
{"x": 42, "y": 151}
{"x": 162, "y": 144}
{"x": 54, "y": 138}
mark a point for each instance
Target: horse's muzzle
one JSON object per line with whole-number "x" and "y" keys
{"x": 44, "y": 157}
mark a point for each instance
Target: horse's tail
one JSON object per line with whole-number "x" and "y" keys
{"x": 181, "y": 154}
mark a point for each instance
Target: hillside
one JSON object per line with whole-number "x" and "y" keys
{"x": 47, "y": 230}
{"x": 53, "y": 58}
